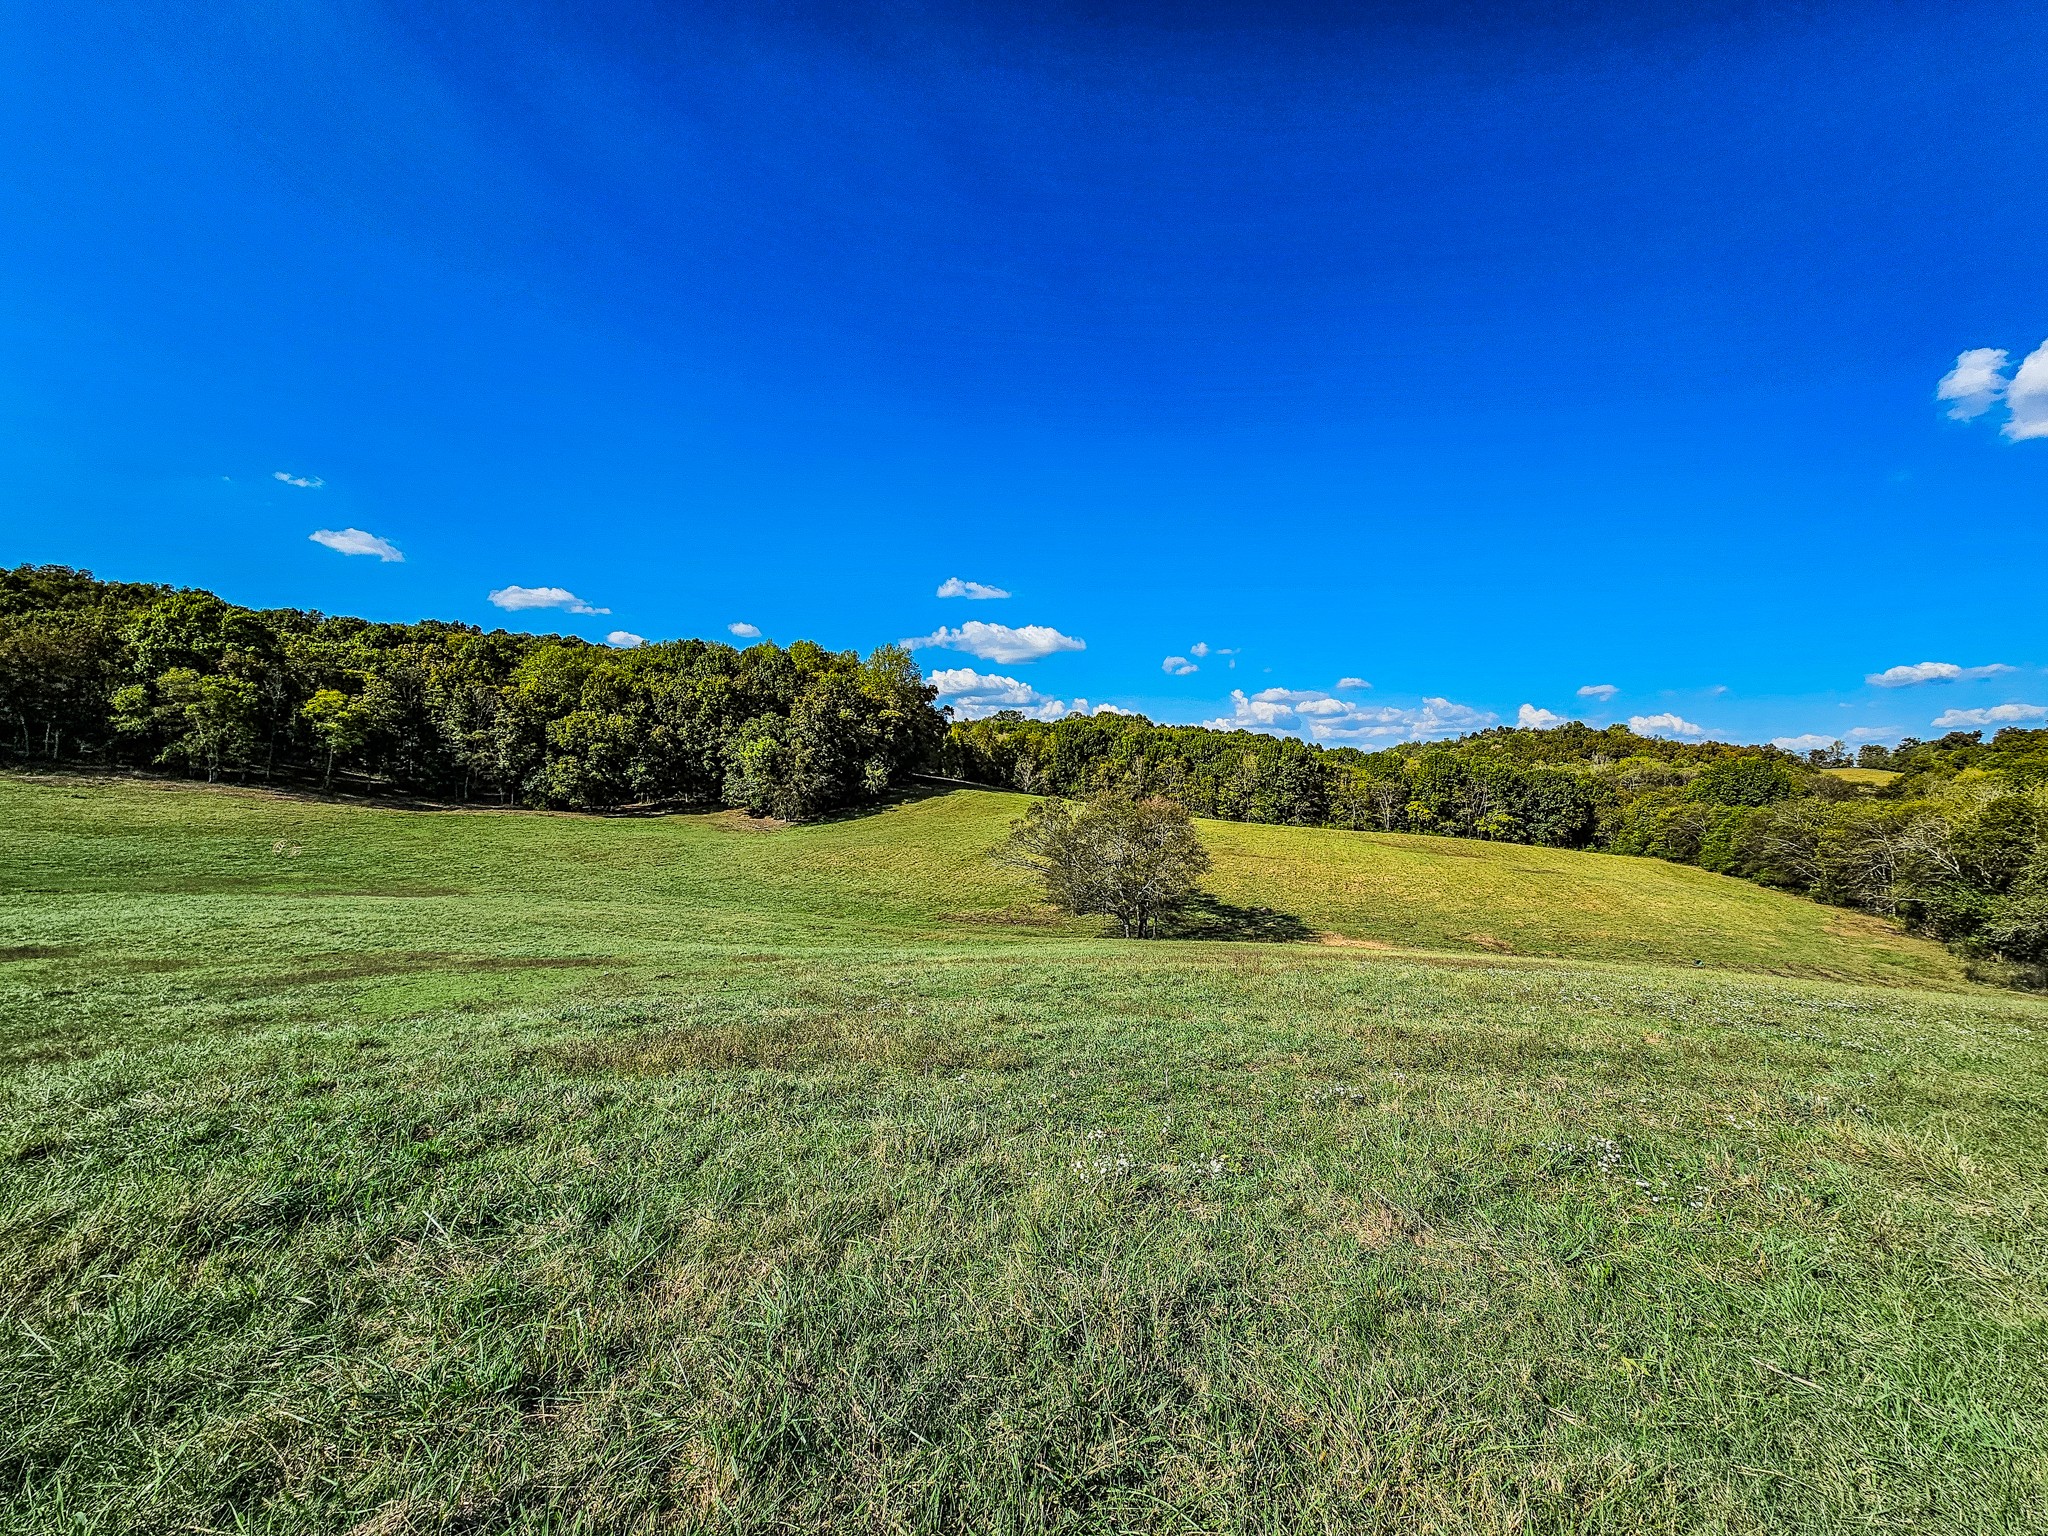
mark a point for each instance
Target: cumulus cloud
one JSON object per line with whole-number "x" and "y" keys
{"x": 1530, "y": 718}
{"x": 998, "y": 642}
{"x": 1978, "y": 382}
{"x": 303, "y": 482}
{"x": 744, "y": 630}
{"x": 1199, "y": 648}
{"x": 1601, "y": 691}
{"x": 1178, "y": 666}
{"x": 353, "y": 541}
{"x": 1664, "y": 725}
{"x": 1932, "y": 672}
{"x": 1311, "y": 712}
{"x": 1974, "y": 384}
{"x": 514, "y": 599}
{"x": 1810, "y": 742}
{"x": 624, "y": 639}
{"x": 1997, "y": 714}
{"x": 1352, "y": 682}
{"x": 975, "y": 694}
{"x": 2027, "y": 398}
{"x": 953, "y": 586}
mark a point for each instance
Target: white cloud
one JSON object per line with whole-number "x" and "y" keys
{"x": 624, "y": 639}
{"x": 1352, "y": 682}
{"x": 1106, "y": 709}
{"x": 975, "y": 694}
{"x": 1932, "y": 672}
{"x": 1974, "y": 384}
{"x": 1199, "y": 648}
{"x": 303, "y": 482}
{"x": 1178, "y": 666}
{"x": 953, "y": 586}
{"x": 1601, "y": 691}
{"x": 1997, "y": 714}
{"x": 1664, "y": 725}
{"x": 2027, "y": 397}
{"x": 1978, "y": 382}
{"x": 1530, "y": 718}
{"x": 998, "y": 642}
{"x": 515, "y": 599}
{"x": 1808, "y": 743}
{"x": 1319, "y": 715}
{"x": 1871, "y": 732}
{"x": 353, "y": 541}
{"x": 744, "y": 630}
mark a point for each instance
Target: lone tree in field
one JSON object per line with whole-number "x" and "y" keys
{"x": 1136, "y": 860}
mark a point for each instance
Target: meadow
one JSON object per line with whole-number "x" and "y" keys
{"x": 383, "y": 1170}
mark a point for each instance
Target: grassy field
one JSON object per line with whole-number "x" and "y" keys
{"x": 381, "y": 1171}
{"x": 1873, "y": 778}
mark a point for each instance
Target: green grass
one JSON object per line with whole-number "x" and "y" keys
{"x": 1455, "y": 894}
{"x": 1872, "y": 777}
{"x": 383, "y": 1171}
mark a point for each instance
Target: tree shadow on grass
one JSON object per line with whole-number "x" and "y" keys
{"x": 1206, "y": 917}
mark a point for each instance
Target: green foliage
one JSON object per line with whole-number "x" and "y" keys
{"x": 1749, "y": 779}
{"x": 1135, "y": 860}
{"x": 1486, "y": 786}
{"x": 122, "y": 674}
{"x": 340, "y": 724}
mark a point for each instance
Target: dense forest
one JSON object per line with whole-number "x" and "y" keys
{"x": 1950, "y": 836}
{"x": 141, "y": 675}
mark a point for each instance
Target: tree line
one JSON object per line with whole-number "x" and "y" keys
{"x": 1953, "y": 842}
{"x": 148, "y": 676}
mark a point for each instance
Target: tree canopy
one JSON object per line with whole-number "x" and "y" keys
{"x": 149, "y": 676}
{"x": 1137, "y": 860}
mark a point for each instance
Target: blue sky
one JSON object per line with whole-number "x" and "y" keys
{"x": 1466, "y": 356}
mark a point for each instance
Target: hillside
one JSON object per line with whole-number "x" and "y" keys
{"x": 510, "y": 883}
{"x": 388, "y": 1171}
{"x": 1949, "y": 835}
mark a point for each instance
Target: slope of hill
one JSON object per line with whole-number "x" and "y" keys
{"x": 377, "y": 1171}
{"x": 513, "y": 881}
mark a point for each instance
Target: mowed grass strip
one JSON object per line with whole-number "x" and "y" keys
{"x": 328, "y": 1207}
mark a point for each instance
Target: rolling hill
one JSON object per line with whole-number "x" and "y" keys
{"x": 502, "y": 883}
{"x": 378, "y": 1170}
